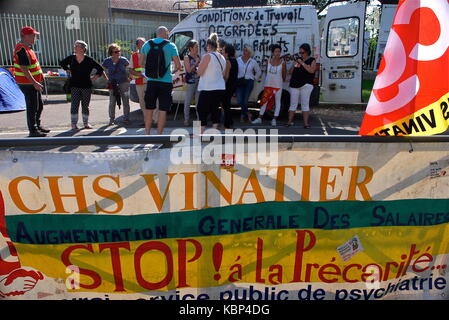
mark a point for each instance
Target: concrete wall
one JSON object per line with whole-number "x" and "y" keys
{"x": 88, "y": 8}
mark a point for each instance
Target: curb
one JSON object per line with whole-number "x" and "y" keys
{"x": 103, "y": 92}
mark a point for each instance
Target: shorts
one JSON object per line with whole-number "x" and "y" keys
{"x": 159, "y": 91}
{"x": 300, "y": 95}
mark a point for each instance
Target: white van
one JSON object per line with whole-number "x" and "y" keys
{"x": 338, "y": 50}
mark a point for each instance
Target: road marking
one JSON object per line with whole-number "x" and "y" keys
{"x": 323, "y": 126}
{"x": 119, "y": 130}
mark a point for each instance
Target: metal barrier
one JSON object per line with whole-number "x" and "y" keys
{"x": 167, "y": 141}
{"x": 55, "y": 41}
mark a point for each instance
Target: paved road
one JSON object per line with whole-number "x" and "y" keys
{"x": 56, "y": 116}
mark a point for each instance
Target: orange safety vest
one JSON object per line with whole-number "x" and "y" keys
{"x": 34, "y": 67}
{"x": 137, "y": 68}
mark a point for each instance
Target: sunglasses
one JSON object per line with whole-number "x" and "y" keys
{"x": 118, "y": 51}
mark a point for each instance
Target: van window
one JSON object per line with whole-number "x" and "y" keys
{"x": 180, "y": 39}
{"x": 343, "y": 38}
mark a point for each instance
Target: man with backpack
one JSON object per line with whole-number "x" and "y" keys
{"x": 156, "y": 58}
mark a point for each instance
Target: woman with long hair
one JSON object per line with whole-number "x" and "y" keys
{"x": 212, "y": 84}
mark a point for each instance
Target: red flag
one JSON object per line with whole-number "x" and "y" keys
{"x": 268, "y": 93}
{"x": 9, "y": 260}
{"x": 411, "y": 91}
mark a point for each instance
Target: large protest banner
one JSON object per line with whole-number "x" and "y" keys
{"x": 337, "y": 221}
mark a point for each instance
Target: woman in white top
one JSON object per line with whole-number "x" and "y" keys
{"x": 212, "y": 84}
{"x": 276, "y": 72}
{"x": 249, "y": 71}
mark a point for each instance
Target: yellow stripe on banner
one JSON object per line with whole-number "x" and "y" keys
{"x": 267, "y": 257}
{"x": 430, "y": 120}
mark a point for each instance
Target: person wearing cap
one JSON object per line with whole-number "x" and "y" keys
{"x": 80, "y": 66}
{"x": 29, "y": 76}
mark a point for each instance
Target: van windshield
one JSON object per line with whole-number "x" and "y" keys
{"x": 180, "y": 39}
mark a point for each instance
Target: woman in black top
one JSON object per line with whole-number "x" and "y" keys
{"x": 231, "y": 73}
{"x": 301, "y": 84}
{"x": 80, "y": 67}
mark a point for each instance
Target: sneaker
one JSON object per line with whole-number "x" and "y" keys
{"x": 88, "y": 126}
{"x": 111, "y": 122}
{"x": 42, "y": 129}
{"x": 257, "y": 121}
{"x": 75, "y": 127}
{"x": 34, "y": 134}
{"x": 273, "y": 123}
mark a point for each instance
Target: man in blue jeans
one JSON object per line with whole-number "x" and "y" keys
{"x": 159, "y": 89}
{"x": 29, "y": 76}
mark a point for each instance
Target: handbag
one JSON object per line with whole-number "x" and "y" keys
{"x": 242, "y": 82}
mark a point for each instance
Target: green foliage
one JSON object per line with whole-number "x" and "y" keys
{"x": 319, "y": 4}
{"x": 367, "y": 87}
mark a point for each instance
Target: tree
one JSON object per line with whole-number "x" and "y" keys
{"x": 319, "y": 4}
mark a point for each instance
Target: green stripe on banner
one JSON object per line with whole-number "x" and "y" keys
{"x": 78, "y": 228}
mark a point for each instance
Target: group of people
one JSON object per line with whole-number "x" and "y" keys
{"x": 212, "y": 79}
{"x": 215, "y": 77}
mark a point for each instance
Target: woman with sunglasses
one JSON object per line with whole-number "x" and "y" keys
{"x": 116, "y": 67}
{"x": 301, "y": 84}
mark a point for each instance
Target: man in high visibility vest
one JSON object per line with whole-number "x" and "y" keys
{"x": 137, "y": 71}
{"x": 29, "y": 77}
